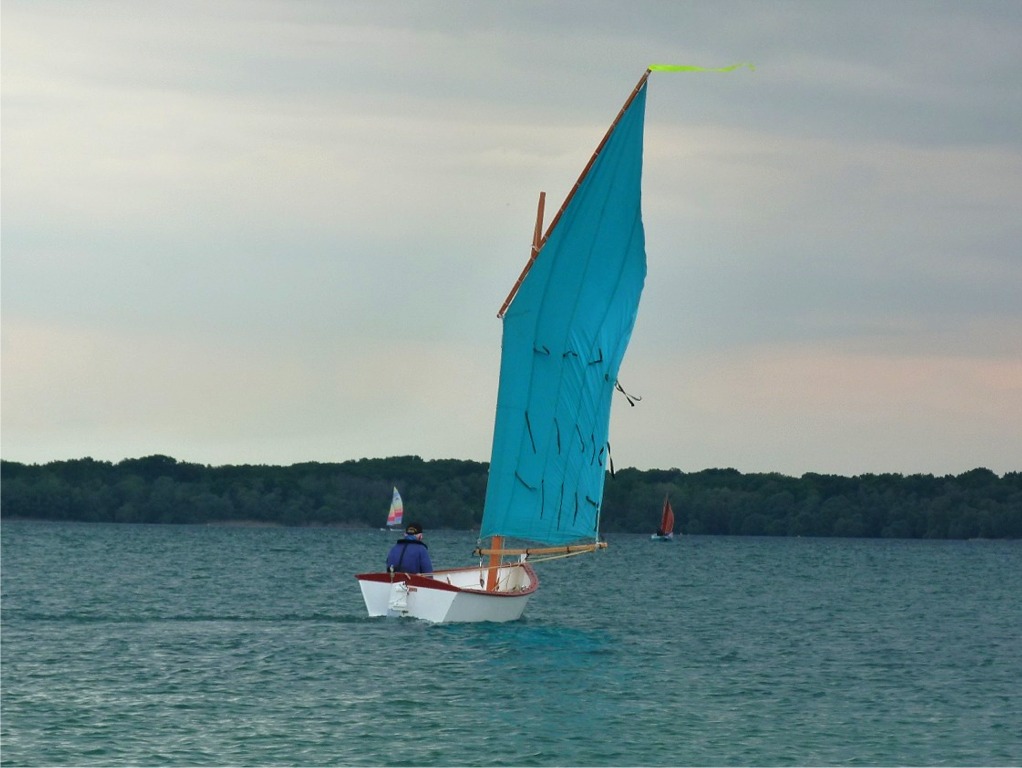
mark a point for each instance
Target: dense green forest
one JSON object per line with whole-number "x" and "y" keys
{"x": 449, "y": 494}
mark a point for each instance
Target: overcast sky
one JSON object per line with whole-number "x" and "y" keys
{"x": 272, "y": 232}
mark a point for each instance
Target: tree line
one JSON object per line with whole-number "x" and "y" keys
{"x": 449, "y": 493}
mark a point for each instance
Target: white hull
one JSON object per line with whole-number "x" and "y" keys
{"x": 665, "y": 537}
{"x": 455, "y": 595}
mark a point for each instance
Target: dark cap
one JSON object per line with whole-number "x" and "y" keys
{"x": 413, "y": 528}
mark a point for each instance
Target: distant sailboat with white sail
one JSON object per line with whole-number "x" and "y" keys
{"x": 397, "y": 512}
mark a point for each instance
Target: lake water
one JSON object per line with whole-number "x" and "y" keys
{"x": 188, "y": 645}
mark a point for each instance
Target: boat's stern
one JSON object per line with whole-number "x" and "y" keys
{"x": 456, "y": 595}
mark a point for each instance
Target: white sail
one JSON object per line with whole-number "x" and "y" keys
{"x": 397, "y": 511}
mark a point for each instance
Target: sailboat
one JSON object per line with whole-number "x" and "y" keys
{"x": 666, "y": 530}
{"x": 566, "y": 324}
{"x": 396, "y": 513}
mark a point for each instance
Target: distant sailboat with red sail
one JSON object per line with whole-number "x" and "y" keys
{"x": 666, "y": 530}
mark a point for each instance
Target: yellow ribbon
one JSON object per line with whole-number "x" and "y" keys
{"x": 693, "y": 68}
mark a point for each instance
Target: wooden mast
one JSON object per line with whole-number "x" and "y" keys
{"x": 495, "y": 552}
{"x": 497, "y": 542}
{"x": 537, "y": 242}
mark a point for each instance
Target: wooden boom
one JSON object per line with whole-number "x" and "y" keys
{"x": 569, "y": 549}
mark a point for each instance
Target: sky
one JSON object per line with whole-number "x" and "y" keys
{"x": 275, "y": 232}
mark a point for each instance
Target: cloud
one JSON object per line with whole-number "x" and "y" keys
{"x": 227, "y": 225}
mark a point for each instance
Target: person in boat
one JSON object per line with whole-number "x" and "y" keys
{"x": 410, "y": 554}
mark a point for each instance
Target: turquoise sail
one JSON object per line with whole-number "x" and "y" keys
{"x": 564, "y": 336}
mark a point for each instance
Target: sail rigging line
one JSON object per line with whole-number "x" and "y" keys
{"x": 632, "y": 399}
{"x": 538, "y": 243}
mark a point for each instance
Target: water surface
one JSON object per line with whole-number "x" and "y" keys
{"x": 190, "y": 645}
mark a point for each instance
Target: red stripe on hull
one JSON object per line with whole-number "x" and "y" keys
{"x": 425, "y": 582}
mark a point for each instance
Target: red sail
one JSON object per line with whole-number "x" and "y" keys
{"x": 667, "y": 519}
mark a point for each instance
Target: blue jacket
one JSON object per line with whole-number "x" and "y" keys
{"x": 409, "y": 555}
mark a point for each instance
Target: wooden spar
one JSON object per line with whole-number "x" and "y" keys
{"x": 566, "y": 550}
{"x": 537, "y": 239}
{"x": 537, "y": 243}
{"x": 497, "y": 544}
{"x": 537, "y": 234}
